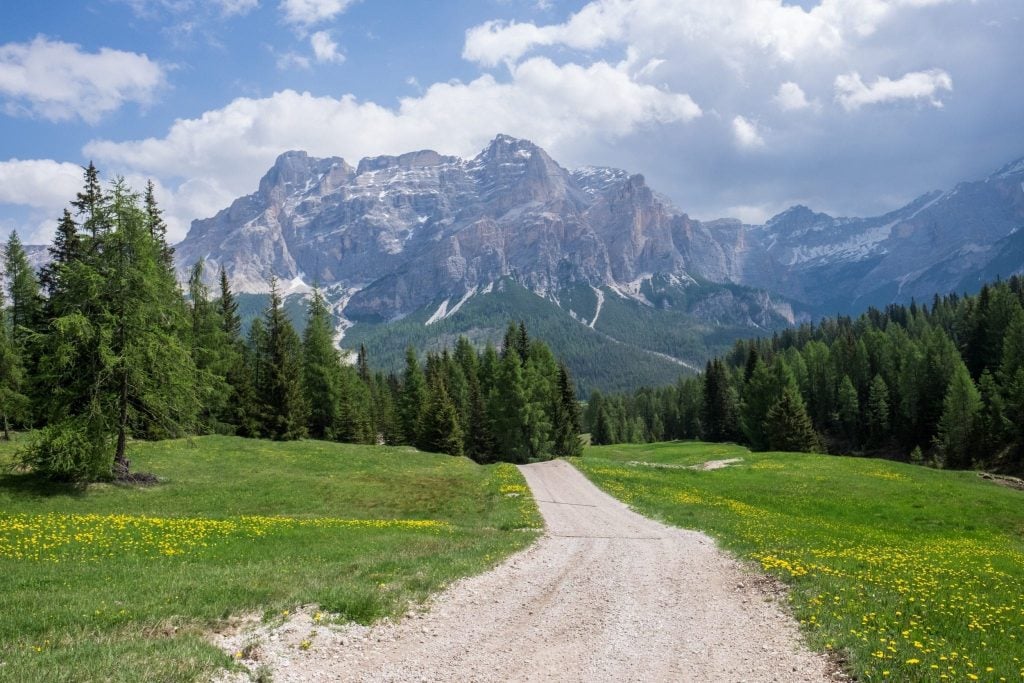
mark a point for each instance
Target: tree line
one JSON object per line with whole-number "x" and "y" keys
{"x": 102, "y": 345}
{"x": 942, "y": 384}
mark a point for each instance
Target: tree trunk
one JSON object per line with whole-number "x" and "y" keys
{"x": 121, "y": 464}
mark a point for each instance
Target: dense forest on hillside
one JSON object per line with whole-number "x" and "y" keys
{"x": 102, "y": 346}
{"x": 942, "y": 384}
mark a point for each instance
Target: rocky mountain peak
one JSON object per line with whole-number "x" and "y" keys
{"x": 797, "y": 217}
{"x": 1014, "y": 168}
{"x": 407, "y": 162}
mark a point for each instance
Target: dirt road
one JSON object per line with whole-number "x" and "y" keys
{"x": 605, "y": 595}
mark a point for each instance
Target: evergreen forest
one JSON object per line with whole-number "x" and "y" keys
{"x": 102, "y": 346}
{"x": 940, "y": 384}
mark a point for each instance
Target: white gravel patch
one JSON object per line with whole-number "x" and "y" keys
{"x": 606, "y": 595}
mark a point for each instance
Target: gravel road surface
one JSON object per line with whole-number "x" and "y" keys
{"x": 605, "y": 595}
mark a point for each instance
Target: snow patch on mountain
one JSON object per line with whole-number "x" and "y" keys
{"x": 597, "y": 310}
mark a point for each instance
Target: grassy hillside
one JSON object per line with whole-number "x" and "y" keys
{"x": 104, "y": 582}
{"x": 907, "y": 573}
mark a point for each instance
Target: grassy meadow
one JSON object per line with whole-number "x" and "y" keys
{"x": 905, "y": 573}
{"x": 121, "y": 583}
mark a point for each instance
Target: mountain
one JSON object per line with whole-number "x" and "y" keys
{"x": 421, "y": 247}
{"x": 940, "y": 242}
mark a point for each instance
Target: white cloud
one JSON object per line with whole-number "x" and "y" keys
{"x": 39, "y": 183}
{"x": 59, "y": 82}
{"x": 791, "y": 97}
{"x": 292, "y": 60}
{"x": 225, "y": 151}
{"x": 230, "y": 8}
{"x": 226, "y": 8}
{"x": 746, "y": 133}
{"x": 852, "y": 93}
{"x": 325, "y": 49}
{"x": 738, "y": 30}
{"x": 309, "y": 12}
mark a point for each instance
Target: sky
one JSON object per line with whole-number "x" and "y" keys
{"x": 735, "y": 108}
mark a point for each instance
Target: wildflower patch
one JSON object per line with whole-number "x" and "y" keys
{"x": 59, "y": 537}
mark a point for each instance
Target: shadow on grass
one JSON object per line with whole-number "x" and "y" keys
{"x": 30, "y": 485}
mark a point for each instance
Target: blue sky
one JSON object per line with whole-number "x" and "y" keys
{"x": 729, "y": 107}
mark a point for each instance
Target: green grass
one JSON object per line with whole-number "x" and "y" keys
{"x": 110, "y": 581}
{"x": 906, "y": 573}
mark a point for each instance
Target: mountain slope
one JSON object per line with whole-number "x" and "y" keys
{"x": 409, "y": 248}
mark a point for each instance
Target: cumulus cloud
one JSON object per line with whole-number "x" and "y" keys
{"x": 39, "y": 183}
{"x": 307, "y": 13}
{"x": 325, "y": 49}
{"x": 59, "y": 81}
{"x": 853, "y": 93}
{"x": 746, "y": 134}
{"x": 791, "y": 97}
{"x": 784, "y": 31}
{"x": 226, "y": 150}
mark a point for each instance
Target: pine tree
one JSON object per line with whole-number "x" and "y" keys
{"x": 994, "y": 429}
{"x": 510, "y": 408}
{"x": 157, "y": 227}
{"x": 567, "y": 420}
{"x": 789, "y": 427}
{"x": 14, "y": 403}
{"x": 481, "y": 445}
{"x": 848, "y": 409}
{"x": 720, "y": 416}
{"x": 115, "y": 356}
{"x": 414, "y": 396}
{"x": 439, "y": 430}
{"x": 878, "y": 410}
{"x": 93, "y": 204}
{"x": 280, "y": 378}
{"x": 231, "y": 322}
{"x": 210, "y": 349}
{"x": 321, "y": 371}
{"x": 26, "y": 304}
{"x": 760, "y": 393}
{"x": 958, "y": 425}
{"x": 66, "y": 249}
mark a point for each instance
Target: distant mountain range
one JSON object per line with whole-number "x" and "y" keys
{"x": 421, "y": 247}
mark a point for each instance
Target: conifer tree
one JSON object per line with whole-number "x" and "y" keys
{"x": 510, "y": 408}
{"x": 157, "y": 227}
{"x": 440, "y": 431}
{"x": 14, "y": 403}
{"x": 280, "y": 377}
{"x": 115, "y": 356}
{"x": 878, "y": 410}
{"x": 720, "y": 412}
{"x": 789, "y": 427}
{"x": 481, "y": 445}
{"x": 210, "y": 348}
{"x": 848, "y": 409}
{"x": 414, "y": 396}
{"x": 230, "y": 321}
{"x": 321, "y": 371}
{"x": 958, "y": 425}
{"x": 66, "y": 249}
{"x": 26, "y": 304}
{"x": 760, "y": 393}
{"x": 567, "y": 418}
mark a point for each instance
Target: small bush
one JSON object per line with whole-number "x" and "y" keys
{"x": 69, "y": 451}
